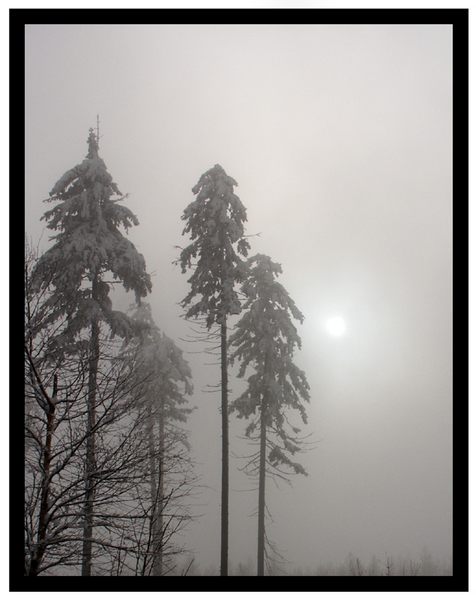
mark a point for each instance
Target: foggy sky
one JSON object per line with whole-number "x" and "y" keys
{"x": 340, "y": 139}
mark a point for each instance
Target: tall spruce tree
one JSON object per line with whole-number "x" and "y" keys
{"x": 89, "y": 244}
{"x": 215, "y": 224}
{"x": 264, "y": 340}
{"x": 166, "y": 378}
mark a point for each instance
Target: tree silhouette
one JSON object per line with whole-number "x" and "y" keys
{"x": 165, "y": 377}
{"x": 214, "y": 222}
{"x": 89, "y": 244}
{"x": 264, "y": 340}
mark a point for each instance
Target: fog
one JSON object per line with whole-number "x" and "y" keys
{"x": 340, "y": 140}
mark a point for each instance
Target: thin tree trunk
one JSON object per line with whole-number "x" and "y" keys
{"x": 224, "y": 458}
{"x": 45, "y": 487}
{"x": 90, "y": 466}
{"x": 261, "y": 488}
{"x": 153, "y": 487}
{"x": 160, "y": 516}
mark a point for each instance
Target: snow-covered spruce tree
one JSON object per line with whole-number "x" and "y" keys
{"x": 165, "y": 377}
{"x": 215, "y": 224}
{"x": 89, "y": 244}
{"x": 264, "y": 340}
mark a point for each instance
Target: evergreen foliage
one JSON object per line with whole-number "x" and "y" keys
{"x": 215, "y": 223}
{"x": 265, "y": 340}
{"x": 160, "y": 367}
{"x": 89, "y": 243}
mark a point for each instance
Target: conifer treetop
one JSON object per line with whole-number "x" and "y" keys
{"x": 215, "y": 223}
{"x": 88, "y": 243}
{"x": 161, "y": 364}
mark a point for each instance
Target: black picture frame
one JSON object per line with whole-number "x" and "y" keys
{"x": 458, "y": 18}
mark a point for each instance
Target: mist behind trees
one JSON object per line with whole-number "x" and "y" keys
{"x": 338, "y": 140}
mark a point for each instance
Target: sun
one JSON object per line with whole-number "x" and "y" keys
{"x": 336, "y": 326}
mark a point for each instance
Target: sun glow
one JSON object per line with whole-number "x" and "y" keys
{"x": 336, "y": 326}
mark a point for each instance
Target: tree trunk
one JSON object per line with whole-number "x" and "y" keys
{"x": 261, "y": 488}
{"x": 224, "y": 458}
{"x": 90, "y": 466}
{"x": 160, "y": 506}
{"x": 156, "y": 490}
{"x": 45, "y": 487}
{"x": 153, "y": 488}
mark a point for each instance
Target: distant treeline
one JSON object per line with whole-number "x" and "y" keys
{"x": 424, "y": 565}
